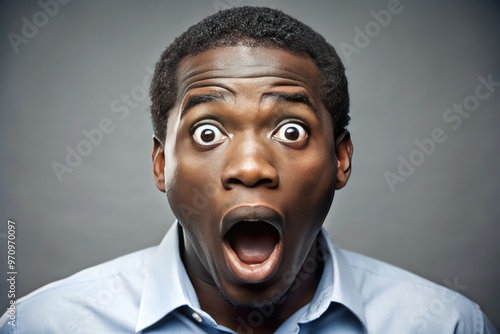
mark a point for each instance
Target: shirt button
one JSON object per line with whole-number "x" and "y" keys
{"x": 197, "y": 317}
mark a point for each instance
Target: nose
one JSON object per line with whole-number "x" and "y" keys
{"x": 249, "y": 163}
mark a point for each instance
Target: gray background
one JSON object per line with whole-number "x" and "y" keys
{"x": 441, "y": 223}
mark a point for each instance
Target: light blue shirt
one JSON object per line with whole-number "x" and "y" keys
{"x": 150, "y": 292}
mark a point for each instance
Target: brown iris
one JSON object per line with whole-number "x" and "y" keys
{"x": 207, "y": 135}
{"x": 292, "y": 133}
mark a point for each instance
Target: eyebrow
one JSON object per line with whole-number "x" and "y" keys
{"x": 199, "y": 99}
{"x": 301, "y": 98}
{"x": 294, "y": 98}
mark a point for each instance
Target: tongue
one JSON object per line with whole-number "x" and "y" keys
{"x": 253, "y": 242}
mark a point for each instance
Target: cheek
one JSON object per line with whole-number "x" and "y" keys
{"x": 193, "y": 193}
{"x": 311, "y": 176}
{"x": 194, "y": 178}
{"x": 189, "y": 197}
{"x": 190, "y": 204}
{"x": 310, "y": 188}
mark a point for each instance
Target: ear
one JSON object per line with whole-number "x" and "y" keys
{"x": 343, "y": 151}
{"x": 158, "y": 156}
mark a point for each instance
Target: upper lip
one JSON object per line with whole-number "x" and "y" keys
{"x": 251, "y": 213}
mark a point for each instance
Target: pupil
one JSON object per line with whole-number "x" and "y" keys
{"x": 291, "y": 133}
{"x": 207, "y": 135}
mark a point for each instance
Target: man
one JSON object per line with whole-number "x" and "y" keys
{"x": 249, "y": 109}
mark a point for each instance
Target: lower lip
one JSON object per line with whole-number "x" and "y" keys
{"x": 255, "y": 272}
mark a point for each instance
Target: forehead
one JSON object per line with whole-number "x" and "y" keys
{"x": 243, "y": 62}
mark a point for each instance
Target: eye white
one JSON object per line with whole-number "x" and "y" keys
{"x": 208, "y": 134}
{"x": 290, "y": 133}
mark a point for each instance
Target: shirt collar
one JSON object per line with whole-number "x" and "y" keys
{"x": 166, "y": 269}
{"x": 338, "y": 281}
{"x": 167, "y": 285}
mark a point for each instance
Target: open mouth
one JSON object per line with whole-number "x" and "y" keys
{"x": 252, "y": 242}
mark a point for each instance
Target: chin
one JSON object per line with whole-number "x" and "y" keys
{"x": 255, "y": 296}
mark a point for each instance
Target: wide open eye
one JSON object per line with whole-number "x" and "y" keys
{"x": 290, "y": 133}
{"x": 208, "y": 135}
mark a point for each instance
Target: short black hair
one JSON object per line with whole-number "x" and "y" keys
{"x": 254, "y": 27}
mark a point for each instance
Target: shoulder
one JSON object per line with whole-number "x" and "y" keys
{"x": 88, "y": 296}
{"x": 411, "y": 301}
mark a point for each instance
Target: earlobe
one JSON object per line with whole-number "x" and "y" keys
{"x": 343, "y": 150}
{"x": 158, "y": 157}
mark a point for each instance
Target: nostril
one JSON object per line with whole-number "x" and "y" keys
{"x": 264, "y": 182}
{"x": 234, "y": 180}
{"x": 260, "y": 182}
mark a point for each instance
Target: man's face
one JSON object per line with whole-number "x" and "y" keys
{"x": 249, "y": 167}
